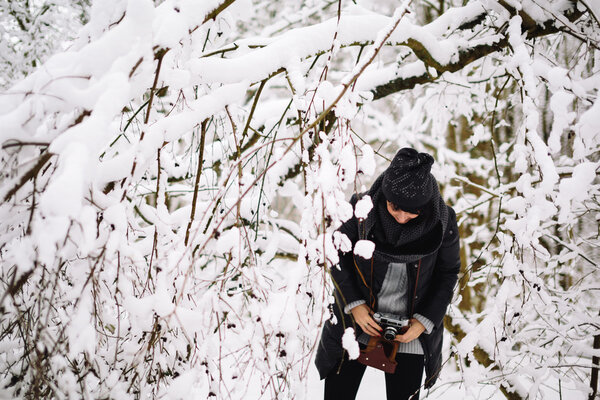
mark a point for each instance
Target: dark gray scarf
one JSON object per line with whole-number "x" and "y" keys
{"x": 405, "y": 242}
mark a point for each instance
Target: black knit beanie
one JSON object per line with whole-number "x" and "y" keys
{"x": 408, "y": 182}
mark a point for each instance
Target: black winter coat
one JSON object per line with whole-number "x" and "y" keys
{"x": 437, "y": 278}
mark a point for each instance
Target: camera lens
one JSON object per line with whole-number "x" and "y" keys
{"x": 389, "y": 333}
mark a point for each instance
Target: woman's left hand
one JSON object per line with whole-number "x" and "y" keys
{"x": 413, "y": 332}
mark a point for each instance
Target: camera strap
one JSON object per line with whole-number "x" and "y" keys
{"x": 371, "y": 296}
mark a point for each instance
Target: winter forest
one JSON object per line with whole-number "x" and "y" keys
{"x": 173, "y": 172}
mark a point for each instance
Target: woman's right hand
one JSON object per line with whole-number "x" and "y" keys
{"x": 362, "y": 315}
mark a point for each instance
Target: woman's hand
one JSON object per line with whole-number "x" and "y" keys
{"x": 362, "y": 315}
{"x": 413, "y": 332}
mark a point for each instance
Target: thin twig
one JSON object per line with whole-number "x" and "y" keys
{"x": 197, "y": 182}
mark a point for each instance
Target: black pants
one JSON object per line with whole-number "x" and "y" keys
{"x": 400, "y": 385}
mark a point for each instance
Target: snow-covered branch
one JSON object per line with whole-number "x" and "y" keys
{"x": 172, "y": 178}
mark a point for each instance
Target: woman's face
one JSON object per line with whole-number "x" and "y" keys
{"x": 400, "y": 216}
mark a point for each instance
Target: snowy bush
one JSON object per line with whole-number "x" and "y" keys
{"x": 172, "y": 177}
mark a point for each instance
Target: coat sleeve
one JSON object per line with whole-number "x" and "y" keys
{"x": 445, "y": 274}
{"x": 344, "y": 273}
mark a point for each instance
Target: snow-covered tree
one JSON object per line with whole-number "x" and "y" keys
{"x": 172, "y": 178}
{"x": 31, "y": 30}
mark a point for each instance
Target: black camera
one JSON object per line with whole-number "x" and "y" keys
{"x": 392, "y": 324}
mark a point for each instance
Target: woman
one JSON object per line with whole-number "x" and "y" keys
{"x": 411, "y": 274}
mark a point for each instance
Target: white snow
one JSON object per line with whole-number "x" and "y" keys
{"x": 350, "y": 344}
{"x": 142, "y": 273}
{"x": 366, "y": 164}
{"x": 363, "y": 206}
{"x": 364, "y": 249}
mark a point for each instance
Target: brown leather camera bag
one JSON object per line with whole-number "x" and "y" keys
{"x": 380, "y": 354}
